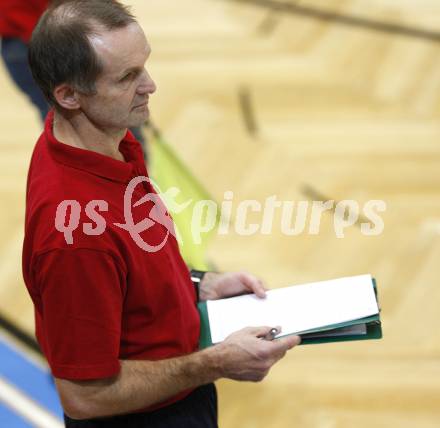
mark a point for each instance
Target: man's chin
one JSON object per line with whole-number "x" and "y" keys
{"x": 138, "y": 120}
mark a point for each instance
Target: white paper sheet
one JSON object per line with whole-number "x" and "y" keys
{"x": 296, "y": 308}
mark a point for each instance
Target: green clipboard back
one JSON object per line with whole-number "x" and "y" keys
{"x": 374, "y": 329}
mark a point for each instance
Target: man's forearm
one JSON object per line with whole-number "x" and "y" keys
{"x": 139, "y": 384}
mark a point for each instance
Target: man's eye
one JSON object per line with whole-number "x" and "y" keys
{"x": 127, "y": 77}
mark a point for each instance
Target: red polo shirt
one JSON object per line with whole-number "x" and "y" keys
{"x": 19, "y": 17}
{"x": 101, "y": 298}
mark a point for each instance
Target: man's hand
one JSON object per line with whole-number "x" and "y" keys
{"x": 220, "y": 285}
{"x": 245, "y": 355}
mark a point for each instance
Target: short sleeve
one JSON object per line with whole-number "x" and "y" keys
{"x": 81, "y": 292}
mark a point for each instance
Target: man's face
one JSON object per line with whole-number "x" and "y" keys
{"x": 124, "y": 86}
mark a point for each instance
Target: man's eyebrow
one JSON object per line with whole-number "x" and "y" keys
{"x": 130, "y": 70}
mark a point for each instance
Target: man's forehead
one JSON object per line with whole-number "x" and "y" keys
{"x": 122, "y": 47}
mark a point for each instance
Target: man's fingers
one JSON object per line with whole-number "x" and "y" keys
{"x": 253, "y": 284}
{"x": 261, "y": 292}
{"x": 260, "y": 331}
{"x": 286, "y": 343}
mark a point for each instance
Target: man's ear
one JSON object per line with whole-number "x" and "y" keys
{"x": 66, "y": 97}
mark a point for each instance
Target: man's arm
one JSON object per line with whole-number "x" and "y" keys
{"x": 244, "y": 355}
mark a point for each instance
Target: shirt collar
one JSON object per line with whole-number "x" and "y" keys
{"x": 96, "y": 163}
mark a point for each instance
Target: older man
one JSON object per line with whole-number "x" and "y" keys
{"x": 118, "y": 323}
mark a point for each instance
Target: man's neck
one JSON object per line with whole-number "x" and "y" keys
{"x": 78, "y": 131}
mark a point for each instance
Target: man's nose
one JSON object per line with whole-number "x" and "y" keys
{"x": 146, "y": 84}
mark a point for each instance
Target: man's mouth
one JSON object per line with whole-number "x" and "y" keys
{"x": 144, "y": 104}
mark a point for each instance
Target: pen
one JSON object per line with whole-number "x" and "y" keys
{"x": 271, "y": 335}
